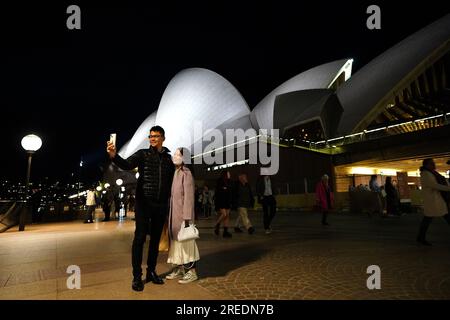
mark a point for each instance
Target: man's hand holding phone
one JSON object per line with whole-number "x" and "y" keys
{"x": 111, "y": 146}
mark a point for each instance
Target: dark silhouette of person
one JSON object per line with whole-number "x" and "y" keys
{"x": 224, "y": 199}
{"x": 266, "y": 197}
{"x": 392, "y": 199}
{"x": 107, "y": 200}
{"x": 324, "y": 198}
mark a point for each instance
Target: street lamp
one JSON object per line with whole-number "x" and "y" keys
{"x": 119, "y": 182}
{"x": 31, "y": 143}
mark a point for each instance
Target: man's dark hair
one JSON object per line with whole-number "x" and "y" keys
{"x": 425, "y": 163}
{"x": 158, "y": 129}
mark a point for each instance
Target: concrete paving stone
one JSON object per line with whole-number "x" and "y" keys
{"x": 299, "y": 261}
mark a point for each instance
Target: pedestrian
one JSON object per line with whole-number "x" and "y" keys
{"x": 223, "y": 202}
{"x": 90, "y": 204}
{"x": 183, "y": 254}
{"x": 107, "y": 200}
{"x": 206, "y": 201}
{"x": 391, "y": 198}
{"x": 265, "y": 192}
{"x": 377, "y": 204}
{"x": 244, "y": 200}
{"x": 156, "y": 171}
{"x": 324, "y": 198}
{"x": 436, "y": 197}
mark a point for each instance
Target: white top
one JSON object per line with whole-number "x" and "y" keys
{"x": 433, "y": 202}
{"x": 90, "y": 199}
{"x": 268, "y": 187}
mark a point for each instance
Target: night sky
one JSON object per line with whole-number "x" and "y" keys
{"x": 74, "y": 87}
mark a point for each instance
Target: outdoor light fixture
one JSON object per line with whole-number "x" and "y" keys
{"x": 99, "y": 188}
{"x": 31, "y": 143}
{"x": 107, "y": 185}
{"x": 137, "y": 175}
{"x": 119, "y": 182}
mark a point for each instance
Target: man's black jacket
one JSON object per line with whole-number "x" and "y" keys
{"x": 156, "y": 171}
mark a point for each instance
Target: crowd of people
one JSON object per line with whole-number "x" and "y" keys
{"x": 166, "y": 194}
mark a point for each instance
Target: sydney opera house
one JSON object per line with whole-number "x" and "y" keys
{"x": 382, "y": 120}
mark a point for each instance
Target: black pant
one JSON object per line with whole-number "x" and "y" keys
{"x": 426, "y": 221}
{"x": 107, "y": 211}
{"x": 269, "y": 205}
{"x": 90, "y": 210}
{"x": 150, "y": 219}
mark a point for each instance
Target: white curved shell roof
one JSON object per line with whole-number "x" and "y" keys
{"x": 376, "y": 79}
{"x": 320, "y": 77}
{"x": 196, "y": 97}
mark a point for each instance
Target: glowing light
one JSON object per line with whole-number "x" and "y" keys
{"x": 414, "y": 173}
{"x": 387, "y": 172}
{"x": 119, "y": 182}
{"x": 31, "y": 142}
{"x": 362, "y": 170}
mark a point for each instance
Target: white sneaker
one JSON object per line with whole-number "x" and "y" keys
{"x": 268, "y": 231}
{"x": 189, "y": 276}
{"x": 176, "y": 273}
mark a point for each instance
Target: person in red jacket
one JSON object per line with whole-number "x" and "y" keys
{"x": 324, "y": 198}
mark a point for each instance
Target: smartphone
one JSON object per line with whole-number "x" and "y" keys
{"x": 112, "y": 138}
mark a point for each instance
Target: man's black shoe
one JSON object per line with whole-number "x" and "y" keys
{"x": 137, "y": 284}
{"x": 237, "y": 230}
{"x": 251, "y": 230}
{"x": 153, "y": 277}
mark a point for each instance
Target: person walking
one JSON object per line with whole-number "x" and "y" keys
{"x": 324, "y": 198}
{"x": 183, "y": 254}
{"x": 107, "y": 201}
{"x": 206, "y": 201}
{"x": 244, "y": 200}
{"x": 223, "y": 202}
{"x": 90, "y": 204}
{"x": 376, "y": 196}
{"x": 436, "y": 198}
{"x": 392, "y": 199}
{"x": 153, "y": 188}
{"x": 265, "y": 192}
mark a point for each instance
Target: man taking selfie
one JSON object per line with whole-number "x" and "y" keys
{"x": 156, "y": 171}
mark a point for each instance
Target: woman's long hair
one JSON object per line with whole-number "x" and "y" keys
{"x": 186, "y": 155}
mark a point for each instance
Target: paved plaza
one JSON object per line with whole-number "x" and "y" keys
{"x": 300, "y": 260}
